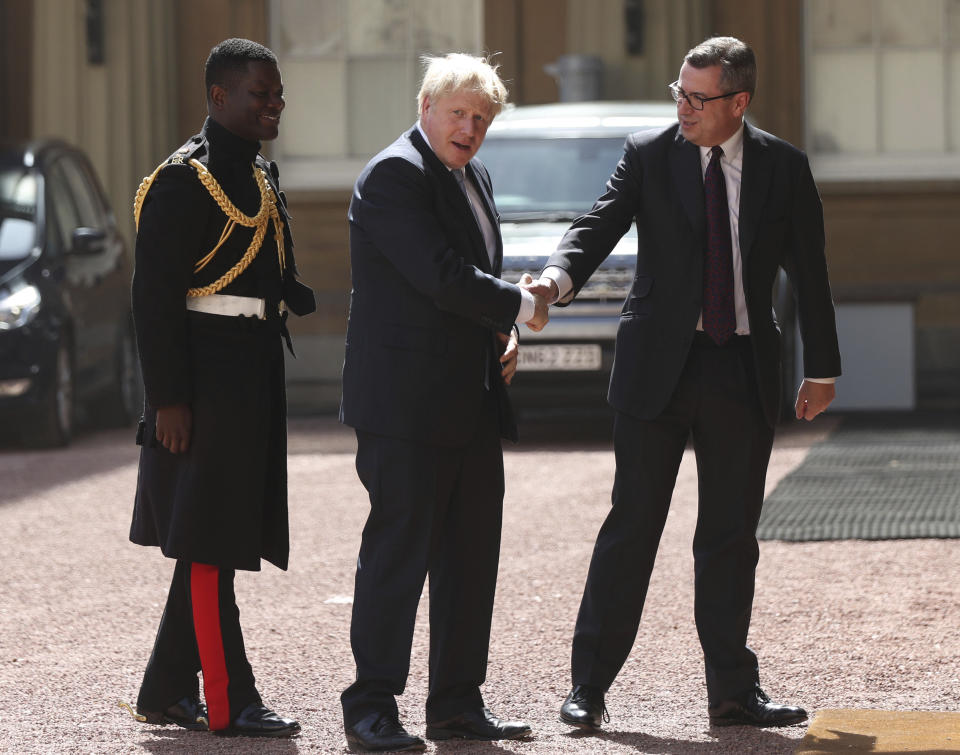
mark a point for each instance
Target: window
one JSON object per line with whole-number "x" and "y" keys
{"x": 351, "y": 70}
{"x": 86, "y": 196}
{"x": 546, "y": 176}
{"x": 883, "y": 88}
{"x": 18, "y": 213}
{"x": 61, "y": 208}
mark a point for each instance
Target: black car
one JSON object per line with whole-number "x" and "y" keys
{"x": 66, "y": 333}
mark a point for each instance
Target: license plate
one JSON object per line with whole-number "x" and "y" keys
{"x": 575, "y": 356}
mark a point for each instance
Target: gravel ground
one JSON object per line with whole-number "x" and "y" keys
{"x": 836, "y": 624}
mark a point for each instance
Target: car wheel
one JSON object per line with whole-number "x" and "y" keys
{"x": 126, "y": 395}
{"x": 55, "y": 423}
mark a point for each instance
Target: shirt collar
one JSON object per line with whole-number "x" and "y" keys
{"x": 732, "y": 147}
{"x": 424, "y": 135}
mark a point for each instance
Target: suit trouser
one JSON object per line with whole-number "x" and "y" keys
{"x": 200, "y": 631}
{"x": 716, "y": 405}
{"x": 435, "y": 511}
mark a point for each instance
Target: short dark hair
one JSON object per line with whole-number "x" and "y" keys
{"x": 230, "y": 58}
{"x": 736, "y": 59}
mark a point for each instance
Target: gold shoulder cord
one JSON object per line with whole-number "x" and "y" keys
{"x": 267, "y": 213}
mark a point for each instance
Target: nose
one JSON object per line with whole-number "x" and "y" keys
{"x": 277, "y": 101}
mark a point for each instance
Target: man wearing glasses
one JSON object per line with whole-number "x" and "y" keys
{"x": 719, "y": 207}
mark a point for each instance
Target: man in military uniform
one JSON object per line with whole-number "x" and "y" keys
{"x": 214, "y": 268}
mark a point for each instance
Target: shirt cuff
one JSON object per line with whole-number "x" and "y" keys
{"x": 528, "y": 306}
{"x": 821, "y": 380}
{"x": 563, "y": 280}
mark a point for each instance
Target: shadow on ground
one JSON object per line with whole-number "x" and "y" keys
{"x": 29, "y": 472}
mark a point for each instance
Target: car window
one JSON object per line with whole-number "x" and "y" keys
{"x": 85, "y": 194}
{"x": 18, "y": 213}
{"x": 550, "y": 176}
{"x": 61, "y": 207}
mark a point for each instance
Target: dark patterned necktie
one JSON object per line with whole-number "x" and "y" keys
{"x": 719, "y": 315}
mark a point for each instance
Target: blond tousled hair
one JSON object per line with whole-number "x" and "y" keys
{"x": 445, "y": 74}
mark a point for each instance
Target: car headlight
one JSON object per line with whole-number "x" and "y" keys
{"x": 19, "y": 307}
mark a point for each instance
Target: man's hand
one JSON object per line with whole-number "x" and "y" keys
{"x": 545, "y": 287}
{"x": 174, "y": 424}
{"x": 814, "y": 398}
{"x": 541, "y": 297}
{"x": 508, "y": 359}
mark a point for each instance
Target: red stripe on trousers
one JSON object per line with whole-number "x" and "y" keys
{"x": 205, "y": 593}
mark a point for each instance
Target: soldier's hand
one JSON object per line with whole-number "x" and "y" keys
{"x": 174, "y": 424}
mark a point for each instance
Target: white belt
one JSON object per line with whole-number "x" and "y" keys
{"x": 224, "y": 304}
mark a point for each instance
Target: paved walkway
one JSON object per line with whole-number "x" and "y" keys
{"x": 837, "y": 625}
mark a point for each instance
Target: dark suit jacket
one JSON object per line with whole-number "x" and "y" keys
{"x": 659, "y": 182}
{"x": 425, "y": 301}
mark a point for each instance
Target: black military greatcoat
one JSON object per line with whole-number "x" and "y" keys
{"x": 224, "y": 501}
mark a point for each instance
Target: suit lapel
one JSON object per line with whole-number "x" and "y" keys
{"x": 687, "y": 177}
{"x": 459, "y": 203}
{"x": 490, "y": 208}
{"x": 754, "y": 181}
{"x": 454, "y": 199}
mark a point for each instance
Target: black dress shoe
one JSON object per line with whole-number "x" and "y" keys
{"x": 187, "y": 712}
{"x": 754, "y": 709}
{"x": 258, "y": 721}
{"x": 477, "y": 724}
{"x": 382, "y": 731}
{"x": 584, "y": 708}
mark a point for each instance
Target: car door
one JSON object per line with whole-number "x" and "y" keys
{"x": 93, "y": 259}
{"x": 110, "y": 310}
{"x": 63, "y": 217}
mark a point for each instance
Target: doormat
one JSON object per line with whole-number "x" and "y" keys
{"x": 876, "y": 477}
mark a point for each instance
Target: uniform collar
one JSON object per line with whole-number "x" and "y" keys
{"x": 227, "y": 144}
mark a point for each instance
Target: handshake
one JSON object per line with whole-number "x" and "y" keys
{"x": 545, "y": 292}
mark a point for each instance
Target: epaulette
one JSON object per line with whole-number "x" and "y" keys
{"x": 194, "y": 148}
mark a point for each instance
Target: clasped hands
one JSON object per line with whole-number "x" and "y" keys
{"x": 544, "y": 292}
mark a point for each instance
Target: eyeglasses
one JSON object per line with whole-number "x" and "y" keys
{"x": 696, "y": 101}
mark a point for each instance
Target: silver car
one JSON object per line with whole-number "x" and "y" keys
{"x": 548, "y": 164}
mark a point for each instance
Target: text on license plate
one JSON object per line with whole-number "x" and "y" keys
{"x": 573, "y": 356}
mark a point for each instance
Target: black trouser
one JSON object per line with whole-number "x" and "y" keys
{"x": 200, "y": 630}
{"x": 438, "y": 511}
{"x": 715, "y": 403}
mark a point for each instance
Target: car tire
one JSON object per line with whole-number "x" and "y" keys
{"x": 125, "y": 400}
{"x": 54, "y": 426}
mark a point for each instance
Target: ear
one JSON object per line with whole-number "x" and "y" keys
{"x": 218, "y": 96}
{"x": 741, "y": 101}
{"x": 425, "y": 106}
